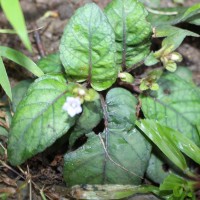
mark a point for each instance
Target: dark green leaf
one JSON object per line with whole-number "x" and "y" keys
{"x": 125, "y": 145}
{"x": 20, "y": 59}
{"x": 158, "y": 135}
{"x": 19, "y": 91}
{"x": 132, "y": 31}
{"x": 51, "y": 64}
{"x": 88, "y": 48}
{"x": 90, "y": 117}
{"x": 13, "y": 12}
{"x": 121, "y": 110}
{"x": 90, "y": 164}
{"x": 176, "y": 104}
{"x": 157, "y": 170}
{"x": 39, "y": 119}
{"x": 4, "y": 82}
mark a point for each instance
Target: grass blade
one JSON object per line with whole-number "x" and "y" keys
{"x": 4, "y": 82}
{"x": 159, "y": 135}
{"x": 20, "y": 59}
{"x": 13, "y": 12}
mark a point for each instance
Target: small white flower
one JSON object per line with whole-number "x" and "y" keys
{"x": 72, "y": 106}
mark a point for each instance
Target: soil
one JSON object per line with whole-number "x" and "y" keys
{"x": 45, "y": 33}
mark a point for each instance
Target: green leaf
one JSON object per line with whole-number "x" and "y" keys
{"x": 90, "y": 117}
{"x": 20, "y": 59}
{"x": 87, "y": 48}
{"x": 13, "y": 12}
{"x": 121, "y": 110}
{"x": 4, "y": 81}
{"x": 151, "y": 60}
{"x": 19, "y": 91}
{"x": 159, "y": 135}
{"x": 184, "y": 73}
{"x": 183, "y": 14}
{"x": 90, "y": 165}
{"x": 102, "y": 192}
{"x": 39, "y": 119}
{"x": 176, "y": 105}
{"x": 157, "y": 169}
{"x": 174, "y": 36}
{"x": 125, "y": 145}
{"x": 179, "y": 187}
{"x": 132, "y": 31}
{"x": 51, "y": 64}
{"x": 184, "y": 144}
{"x": 194, "y": 20}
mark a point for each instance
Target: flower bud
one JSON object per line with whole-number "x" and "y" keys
{"x": 126, "y": 77}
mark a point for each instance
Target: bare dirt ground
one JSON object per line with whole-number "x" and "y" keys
{"x": 46, "y": 170}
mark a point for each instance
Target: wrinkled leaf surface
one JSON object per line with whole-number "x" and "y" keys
{"x": 39, "y": 119}
{"x": 132, "y": 31}
{"x": 125, "y": 146}
{"x": 87, "y": 48}
{"x": 176, "y": 104}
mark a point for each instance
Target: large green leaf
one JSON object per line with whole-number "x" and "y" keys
{"x": 13, "y": 12}
{"x": 4, "y": 81}
{"x": 160, "y": 136}
{"x": 19, "y": 91}
{"x": 39, "y": 119}
{"x": 129, "y": 150}
{"x": 51, "y": 64}
{"x": 20, "y": 59}
{"x": 132, "y": 31}
{"x": 90, "y": 164}
{"x": 90, "y": 117}
{"x": 176, "y": 104}
{"x": 87, "y": 48}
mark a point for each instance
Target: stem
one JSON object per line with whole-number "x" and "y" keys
{"x": 105, "y": 141}
{"x": 158, "y": 12}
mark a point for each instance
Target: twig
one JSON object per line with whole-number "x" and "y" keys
{"x": 105, "y": 144}
{"x": 158, "y": 12}
{"x": 11, "y": 31}
{"x": 39, "y": 43}
{"x": 26, "y": 176}
{"x": 105, "y": 116}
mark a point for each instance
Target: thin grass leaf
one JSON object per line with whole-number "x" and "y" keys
{"x": 13, "y": 12}
{"x": 20, "y": 59}
{"x": 7, "y": 31}
{"x": 159, "y": 135}
{"x": 4, "y": 82}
